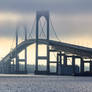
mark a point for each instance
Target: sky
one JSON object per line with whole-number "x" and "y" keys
{"x": 72, "y": 20}
{"x": 73, "y": 16}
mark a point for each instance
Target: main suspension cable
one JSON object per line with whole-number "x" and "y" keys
{"x": 54, "y": 31}
{"x": 42, "y": 27}
{"x": 30, "y": 34}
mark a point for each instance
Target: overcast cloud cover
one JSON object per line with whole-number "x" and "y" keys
{"x": 67, "y": 6}
{"x": 70, "y": 17}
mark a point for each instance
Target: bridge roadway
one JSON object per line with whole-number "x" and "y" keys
{"x": 68, "y": 48}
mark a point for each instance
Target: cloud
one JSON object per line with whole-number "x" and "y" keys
{"x": 64, "y": 6}
{"x": 65, "y": 25}
{"x": 71, "y": 17}
{"x": 10, "y": 21}
{"x": 73, "y": 25}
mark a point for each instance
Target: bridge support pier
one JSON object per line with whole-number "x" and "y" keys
{"x": 91, "y": 66}
{"x": 73, "y": 64}
{"x": 59, "y": 63}
{"x": 64, "y": 68}
{"x": 65, "y": 60}
{"x": 82, "y": 65}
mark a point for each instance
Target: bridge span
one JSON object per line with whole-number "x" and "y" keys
{"x": 63, "y": 50}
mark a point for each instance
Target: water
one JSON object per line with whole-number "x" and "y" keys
{"x": 42, "y": 83}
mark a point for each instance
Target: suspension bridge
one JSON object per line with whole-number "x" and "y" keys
{"x": 11, "y": 62}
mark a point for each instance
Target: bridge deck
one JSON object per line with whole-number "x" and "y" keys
{"x": 68, "y": 48}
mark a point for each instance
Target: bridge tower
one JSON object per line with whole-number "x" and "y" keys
{"x": 18, "y": 60}
{"x": 39, "y": 14}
